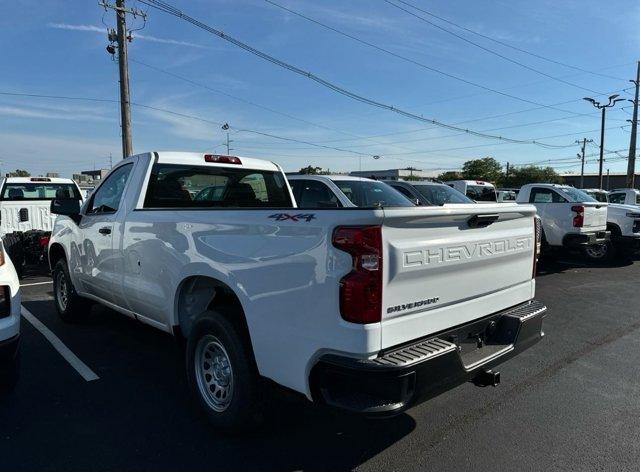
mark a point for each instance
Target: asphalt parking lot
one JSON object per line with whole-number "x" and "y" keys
{"x": 572, "y": 402}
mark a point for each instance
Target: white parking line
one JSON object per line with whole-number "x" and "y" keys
{"x": 59, "y": 346}
{"x": 37, "y": 283}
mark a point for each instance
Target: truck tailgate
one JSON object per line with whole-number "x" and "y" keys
{"x": 26, "y": 215}
{"x": 595, "y": 215}
{"x": 445, "y": 266}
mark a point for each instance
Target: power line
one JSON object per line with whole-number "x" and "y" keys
{"x": 413, "y": 61}
{"x": 490, "y": 51}
{"x": 166, "y": 8}
{"x": 502, "y": 43}
{"x": 254, "y": 104}
{"x": 185, "y": 115}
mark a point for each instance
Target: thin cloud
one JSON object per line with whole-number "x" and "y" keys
{"x": 144, "y": 37}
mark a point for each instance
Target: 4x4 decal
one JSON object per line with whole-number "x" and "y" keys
{"x": 297, "y": 217}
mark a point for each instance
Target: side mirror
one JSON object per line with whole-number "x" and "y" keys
{"x": 67, "y": 207}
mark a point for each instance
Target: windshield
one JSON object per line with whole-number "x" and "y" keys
{"x": 481, "y": 193}
{"x": 575, "y": 195}
{"x": 40, "y": 191}
{"x": 438, "y": 194}
{"x": 369, "y": 193}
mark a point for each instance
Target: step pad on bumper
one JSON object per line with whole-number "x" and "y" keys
{"x": 425, "y": 368}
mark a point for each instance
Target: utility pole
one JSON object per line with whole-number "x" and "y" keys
{"x": 581, "y": 157}
{"x": 613, "y": 99}
{"x": 225, "y": 127}
{"x": 608, "y": 180}
{"x": 121, "y": 38}
{"x": 110, "y": 161}
{"x": 631, "y": 169}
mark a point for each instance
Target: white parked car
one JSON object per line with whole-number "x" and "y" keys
{"x": 477, "y": 190}
{"x": 623, "y": 221}
{"x": 428, "y": 193}
{"x": 339, "y": 191}
{"x": 25, "y": 219}
{"x": 10, "y": 305}
{"x": 371, "y": 308}
{"x": 570, "y": 218}
{"x": 625, "y": 196}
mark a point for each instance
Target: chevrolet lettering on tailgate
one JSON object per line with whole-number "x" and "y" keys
{"x": 461, "y": 252}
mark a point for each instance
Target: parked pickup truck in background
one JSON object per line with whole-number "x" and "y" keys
{"x": 476, "y": 190}
{"x": 25, "y": 218}
{"x": 370, "y": 309}
{"x": 570, "y": 218}
{"x": 625, "y": 196}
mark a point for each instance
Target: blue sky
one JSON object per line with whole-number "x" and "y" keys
{"x": 56, "y": 47}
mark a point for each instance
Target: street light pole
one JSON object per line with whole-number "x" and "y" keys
{"x": 613, "y": 99}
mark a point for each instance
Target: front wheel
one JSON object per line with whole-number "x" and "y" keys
{"x": 221, "y": 373}
{"x": 69, "y": 304}
{"x": 599, "y": 252}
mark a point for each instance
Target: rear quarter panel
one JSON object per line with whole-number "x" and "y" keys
{"x": 283, "y": 269}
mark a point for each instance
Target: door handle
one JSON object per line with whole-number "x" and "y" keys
{"x": 105, "y": 230}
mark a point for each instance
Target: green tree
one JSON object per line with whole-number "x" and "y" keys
{"x": 311, "y": 170}
{"x": 519, "y": 176}
{"x": 19, "y": 173}
{"x": 486, "y": 168}
{"x": 450, "y": 175}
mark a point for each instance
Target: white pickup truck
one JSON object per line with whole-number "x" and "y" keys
{"x": 625, "y": 196}
{"x": 25, "y": 218}
{"x": 370, "y": 309}
{"x": 570, "y": 218}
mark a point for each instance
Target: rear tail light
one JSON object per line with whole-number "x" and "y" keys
{"x": 537, "y": 243}
{"x": 43, "y": 241}
{"x": 578, "y": 220}
{"x": 361, "y": 289}
{"x": 220, "y": 159}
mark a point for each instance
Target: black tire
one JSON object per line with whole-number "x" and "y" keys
{"x": 237, "y": 410}
{"x": 600, "y": 253}
{"x": 72, "y": 306}
{"x": 15, "y": 250}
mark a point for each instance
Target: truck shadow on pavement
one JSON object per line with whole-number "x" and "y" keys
{"x": 139, "y": 415}
{"x": 566, "y": 261}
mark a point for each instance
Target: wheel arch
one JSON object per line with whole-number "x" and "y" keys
{"x": 56, "y": 252}
{"x": 198, "y": 293}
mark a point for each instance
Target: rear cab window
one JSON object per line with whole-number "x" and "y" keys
{"x": 189, "y": 186}
{"x": 15, "y": 191}
{"x": 481, "y": 193}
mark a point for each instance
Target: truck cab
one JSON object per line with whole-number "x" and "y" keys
{"x": 625, "y": 196}
{"x": 477, "y": 190}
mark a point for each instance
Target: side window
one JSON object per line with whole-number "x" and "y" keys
{"x": 616, "y": 197}
{"x": 404, "y": 192}
{"x": 545, "y": 195}
{"x": 315, "y": 194}
{"x": 106, "y": 199}
{"x": 257, "y": 183}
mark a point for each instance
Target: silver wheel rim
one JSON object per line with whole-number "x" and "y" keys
{"x": 62, "y": 292}
{"x": 597, "y": 251}
{"x": 214, "y": 373}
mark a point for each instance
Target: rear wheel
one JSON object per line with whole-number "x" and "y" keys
{"x": 599, "y": 252}
{"x": 69, "y": 304}
{"x": 221, "y": 373}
